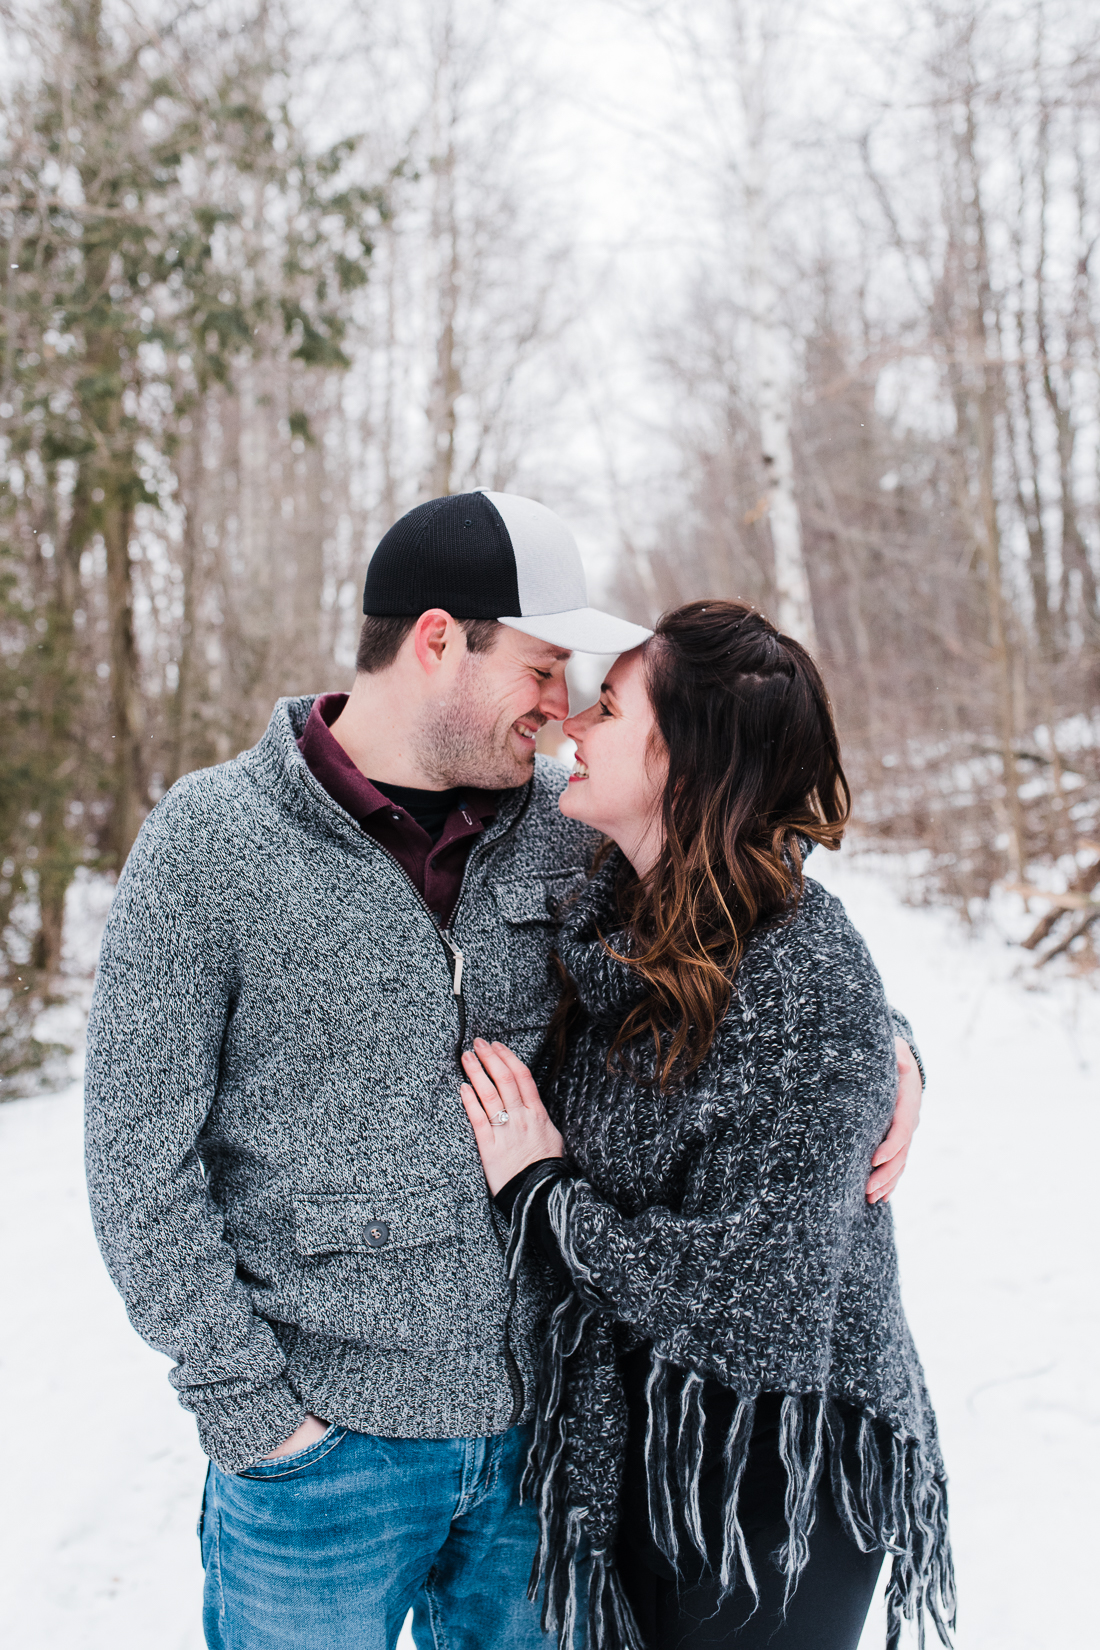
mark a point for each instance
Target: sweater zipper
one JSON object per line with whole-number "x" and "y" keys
{"x": 511, "y": 1363}
{"x": 456, "y": 962}
{"x": 455, "y": 959}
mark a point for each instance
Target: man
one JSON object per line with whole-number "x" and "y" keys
{"x": 283, "y": 1180}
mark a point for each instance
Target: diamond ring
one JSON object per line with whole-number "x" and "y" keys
{"x": 501, "y": 1117}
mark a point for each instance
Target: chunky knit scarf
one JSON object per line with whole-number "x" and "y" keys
{"x": 725, "y": 1223}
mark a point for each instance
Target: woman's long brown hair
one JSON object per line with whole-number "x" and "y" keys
{"x": 753, "y": 766}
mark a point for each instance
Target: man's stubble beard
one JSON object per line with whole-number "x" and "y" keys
{"x": 464, "y": 739}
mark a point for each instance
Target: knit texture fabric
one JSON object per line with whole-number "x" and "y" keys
{"x": 283, "y": 1181}
{"x": 726, "y": 1224}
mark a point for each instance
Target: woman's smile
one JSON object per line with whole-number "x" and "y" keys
{"x": 621, "y": 761}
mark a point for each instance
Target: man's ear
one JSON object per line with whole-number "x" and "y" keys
{"x": 433, "y": 633}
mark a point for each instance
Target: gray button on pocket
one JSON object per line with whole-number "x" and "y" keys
{"x": 377, "y": 1233}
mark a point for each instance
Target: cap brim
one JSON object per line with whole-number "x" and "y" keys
{"x": 582, "y": 630}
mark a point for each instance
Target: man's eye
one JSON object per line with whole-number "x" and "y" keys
{"x": 544, "y": 674}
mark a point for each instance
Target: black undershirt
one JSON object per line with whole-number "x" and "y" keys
{"x": 430, "y": 809}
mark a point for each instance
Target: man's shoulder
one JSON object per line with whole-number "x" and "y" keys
{"x": 545, "y": 831}
{"x": 206, "y": 796}
{"x": 550, "y": 780}
{"x": 205, "y": 810}
{"x": 248, "y": 787}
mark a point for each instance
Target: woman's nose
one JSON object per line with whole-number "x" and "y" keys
{"x": 574, "y": 726}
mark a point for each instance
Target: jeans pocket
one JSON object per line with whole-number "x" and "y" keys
{"x": 288, "y": 1466}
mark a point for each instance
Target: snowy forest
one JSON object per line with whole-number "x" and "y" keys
{"x": 796, "y": 301}
{"x": 273, "y": 275}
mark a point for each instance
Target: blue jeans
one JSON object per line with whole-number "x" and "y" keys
{"x": 329, "y": 1548}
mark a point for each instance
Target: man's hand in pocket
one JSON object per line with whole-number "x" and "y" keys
{"x": 307, "y": 1433}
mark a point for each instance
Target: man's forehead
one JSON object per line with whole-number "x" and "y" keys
{"x": 541, "y": 652}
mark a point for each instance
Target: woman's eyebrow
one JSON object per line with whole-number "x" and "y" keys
{"x": 605, "y": 687}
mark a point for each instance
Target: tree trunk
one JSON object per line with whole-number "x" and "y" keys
{"x": 854, "y": 603}
{"x": 1057, "y": 389}
{"x": 794, "y": 604}
{"x": 128, "y": 784}
{"x": 180, "y": 706}
{"x": 110, "y": 475}
{"x": 985, "y": 368}
{"x": 57, "y": 692}
{"x": 448, "y": 382}
{"x": 1030, "y": 505}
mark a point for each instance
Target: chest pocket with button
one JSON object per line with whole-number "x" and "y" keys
{"x": 530, "y": 908}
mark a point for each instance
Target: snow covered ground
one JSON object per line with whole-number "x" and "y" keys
{"x": 997, "y": 1229}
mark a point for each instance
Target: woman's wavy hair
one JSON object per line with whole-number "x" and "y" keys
{"x": 754, "y": 770}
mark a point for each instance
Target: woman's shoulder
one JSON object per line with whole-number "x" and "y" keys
{"x": 820, "y": 943}
{"x": 822, "y": 916}
{"x": 809, "y": 987}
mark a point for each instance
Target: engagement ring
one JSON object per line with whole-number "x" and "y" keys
{"x": 501, "y": 1117}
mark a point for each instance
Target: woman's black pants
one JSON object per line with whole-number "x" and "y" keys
{"x": 828, "y": 1607}
{"x": 827, "y": 1610}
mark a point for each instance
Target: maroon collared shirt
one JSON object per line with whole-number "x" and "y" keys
{"x": 434, "y": 870}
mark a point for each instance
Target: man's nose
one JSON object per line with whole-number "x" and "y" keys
{"x": 554, "y": 701}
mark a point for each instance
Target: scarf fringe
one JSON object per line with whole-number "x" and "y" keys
{"x": 658, "y": 1479}
{"x": 801, "y": 1449}
{"x": 560, "y": 1562}
{"x": 893, "y": 1501}
{"x": 689, "y": 1457}
{"x": 517, "y": 1238}
{"x": 888, "y": 1496}
{"x": 609, "y": 1619}
{"x": 735, "y": 1549}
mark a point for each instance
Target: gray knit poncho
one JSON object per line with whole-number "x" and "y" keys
{"x": 726, "y": 1223}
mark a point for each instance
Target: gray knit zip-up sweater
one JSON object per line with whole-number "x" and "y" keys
{"x": 284, "y": 1184}
{"x": 725, "y": 1225}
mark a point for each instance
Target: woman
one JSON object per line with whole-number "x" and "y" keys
{"x": 732, "y": 1428}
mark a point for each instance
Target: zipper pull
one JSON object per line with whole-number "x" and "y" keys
{"x": 459, "y": 959}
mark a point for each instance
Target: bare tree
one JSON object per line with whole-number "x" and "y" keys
{"x": 938, "y": 316}
{"x": 740, "y": 56}
{"x": 158, "y": 236}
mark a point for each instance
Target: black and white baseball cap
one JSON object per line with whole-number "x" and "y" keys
{"x": 493, "y": 556}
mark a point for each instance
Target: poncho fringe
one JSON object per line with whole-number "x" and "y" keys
{"x": 897, "y": 1502}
